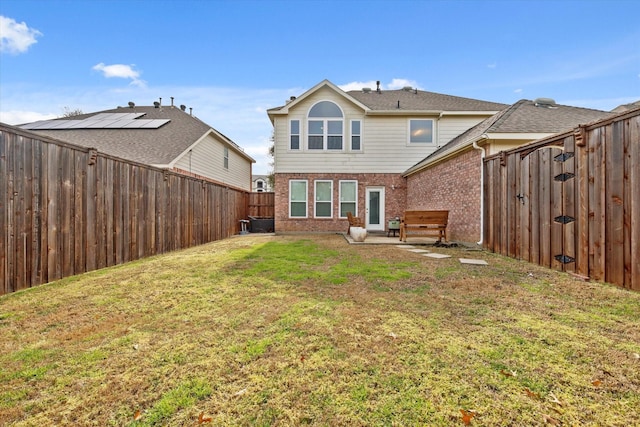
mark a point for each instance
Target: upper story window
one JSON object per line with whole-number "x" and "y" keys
{"x": 420, "y": 131}
{"x": 294, "y": 135}
{"x": 226, "y": 157}
{"x": 325, "y": 127}
{"x": 355, "y": 135}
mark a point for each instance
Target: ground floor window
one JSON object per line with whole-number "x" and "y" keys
{"x": 348, "y": 198}
{"x": 298, "y": 198}
{"x": 324, "y": 199}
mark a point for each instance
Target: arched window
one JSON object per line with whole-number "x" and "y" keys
{"x": 325, "y": 127}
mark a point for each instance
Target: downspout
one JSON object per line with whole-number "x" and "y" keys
{"x": 483, "y": 137}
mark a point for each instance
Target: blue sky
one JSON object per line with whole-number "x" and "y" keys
{"x": 232, "y": 60}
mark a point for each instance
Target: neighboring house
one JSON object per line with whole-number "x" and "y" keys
{"x": 261, "y": 184}
{"x": 166, "y": 137}
{"x": 337, "y": 151}
{"x": 626, "y": 107}
{"x": 451, "y": 178}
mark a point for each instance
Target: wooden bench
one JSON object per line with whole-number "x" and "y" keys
{"x": 354, "y": 221}
{"x": 424, "y": 223}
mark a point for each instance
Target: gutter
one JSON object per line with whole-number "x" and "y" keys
{"x": 483, "y": 137}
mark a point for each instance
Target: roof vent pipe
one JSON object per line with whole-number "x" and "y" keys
{"x": 172, "y": 102}
{"x": 160, "y": 101}
{"x": 378, "y": 86}
{"x": 190, "y": 111}
{"x": 398, "y": 103}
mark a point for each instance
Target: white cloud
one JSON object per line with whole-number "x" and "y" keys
{"x": 17, "y": 117}
{"x": 357, "y": 85}
{"x": 16, "y": 37}
{"x": 492, "y": 65}
{"x": 517, "y": 91}
{"x": 121, "y": 71}
{"x": 394, "y": 84}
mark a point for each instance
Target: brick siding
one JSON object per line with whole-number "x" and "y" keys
{"x": 395, "y": 200}
{"x": 453, "y": 185}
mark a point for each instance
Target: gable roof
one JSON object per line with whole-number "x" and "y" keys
{"x": 176, "y": 133}
{"x": 284, "y": 109}
{"x": 403, "y": 101}
{"x": 525, "y": 117}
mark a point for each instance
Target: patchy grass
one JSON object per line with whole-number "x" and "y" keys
{"x": 307, "y": 330}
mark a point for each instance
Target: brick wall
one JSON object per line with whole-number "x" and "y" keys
{"x": 453, "y": 185}
{"x": 395, "y": 200}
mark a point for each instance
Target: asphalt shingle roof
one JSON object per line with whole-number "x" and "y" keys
{"x": 419, "y": 100}
{"x": 149, "y": 146}
{"x": 522, "y": 117}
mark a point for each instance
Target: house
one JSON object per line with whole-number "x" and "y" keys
{"x": 337, "y": 152}
{"x": 451, "y": 177}
{"x": 260, "y": 184}
{"x": 166, "y": 137}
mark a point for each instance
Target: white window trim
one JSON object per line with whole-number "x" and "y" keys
{"x": 300, "y": 138}
{"x": 306, "y": 202}
{"x": 351, "y": 135}
{"x": 315, "y": 201}
{"x": 325, "y": 125}
{"x": 340, "y": 196}
{"x": 226, "y": 158}
{"x": 433, "y": 132}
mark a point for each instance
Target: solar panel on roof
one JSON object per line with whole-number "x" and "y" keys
{"x": 100, "y": 121}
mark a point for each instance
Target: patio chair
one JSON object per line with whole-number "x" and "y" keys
{"x": 354, "y": 221}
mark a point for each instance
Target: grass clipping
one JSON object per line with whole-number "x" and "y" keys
{"x": 295, "y": 330}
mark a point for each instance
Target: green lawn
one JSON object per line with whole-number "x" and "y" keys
{"x": 308, "y": 330}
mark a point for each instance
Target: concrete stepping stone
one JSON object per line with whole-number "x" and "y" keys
{"x": 473, "y": 261}
{"x": 405, "y": 246}
{"x": 437, "y": 256}
{"x": 419, "y": 251}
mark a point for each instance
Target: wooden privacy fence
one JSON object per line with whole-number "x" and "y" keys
{"x": 262, "y": 205}
{"x": 570, "y": 202}
{"x": 65, "y": 210}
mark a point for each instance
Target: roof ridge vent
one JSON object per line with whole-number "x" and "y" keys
{"x": 545, "y": 102}
{"x": 407, "y": 88}
{"x": 366, "y": 89}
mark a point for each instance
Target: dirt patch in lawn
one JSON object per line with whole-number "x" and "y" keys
{"x": 308, "y": 330}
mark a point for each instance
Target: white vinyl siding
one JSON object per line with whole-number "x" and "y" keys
{"x": 384, "y": 140}
{"x": 207, "y": 158}
{"x": 298, "y": 189}
{"x": 323, "y": 199}
{"x": 348, "y": 198}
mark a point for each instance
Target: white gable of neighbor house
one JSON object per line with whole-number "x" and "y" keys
{"x": 206, "y": 158}
{"x": 385, "y": 144}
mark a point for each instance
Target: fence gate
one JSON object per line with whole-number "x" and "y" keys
{"x": 546, "y": 219}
